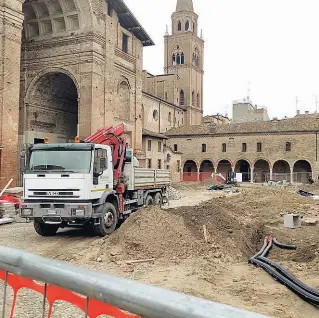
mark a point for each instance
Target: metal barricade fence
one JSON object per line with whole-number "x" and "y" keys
{"x": 102, "y": 294}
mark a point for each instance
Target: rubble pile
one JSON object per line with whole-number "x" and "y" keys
{"x": 7, "y": 209}
{"x": 174, "y": 194}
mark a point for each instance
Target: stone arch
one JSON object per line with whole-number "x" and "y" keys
{"x": 32, "y": 86}
{"x": 206, "y": 169}
{"x": 190, "y": 170}
{"x": 243, "y": 166}
{"x": 51, "y": 108}
{"x": 224, "y": 166}
{"x": 282, "y": 171}
{"x": 261, "y": 170}
{"x": 123, "y": 110}
{"x": 302, "y": 170}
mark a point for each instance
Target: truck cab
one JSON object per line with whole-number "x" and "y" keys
{"x": 75, "y": 184}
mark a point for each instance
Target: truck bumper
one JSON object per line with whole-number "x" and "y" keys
{"x": 56, "y": 213}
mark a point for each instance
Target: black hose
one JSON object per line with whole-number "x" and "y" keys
{"x": 288, "y": 275}
{"x": 284, "y": 246}
{"x": 262, "y": 249}
{"x": 268, "y": 248}
{"x": 288, "y": 283}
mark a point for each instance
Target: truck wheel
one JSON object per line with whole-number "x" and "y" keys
{"x": 108, "y": 220}
{"x": 158, "y": 199}
{"x": 149, "y": 200}
{"x": 45, "y": 229}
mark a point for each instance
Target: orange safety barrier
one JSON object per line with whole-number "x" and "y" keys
{"x": 93, "y": 308}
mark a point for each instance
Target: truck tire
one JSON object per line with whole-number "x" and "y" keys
{"x": 108, "y": 221}
{"x": 45, "y": 229}
{"x": 149, "y": 201}
{"x": 158, "y": 199}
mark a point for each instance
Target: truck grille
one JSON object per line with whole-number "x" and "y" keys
{"x": 54, "y": 193}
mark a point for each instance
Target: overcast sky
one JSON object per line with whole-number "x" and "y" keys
{"x": 273, "y": 44}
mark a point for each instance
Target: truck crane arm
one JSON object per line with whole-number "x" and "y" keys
{"x": 112, "y": 136}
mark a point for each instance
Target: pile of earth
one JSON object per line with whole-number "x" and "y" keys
{"x": 157, "y": 233}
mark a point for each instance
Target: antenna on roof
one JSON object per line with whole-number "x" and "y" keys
{"x": 297, "y": 101}
{"x": 248, "y": 91}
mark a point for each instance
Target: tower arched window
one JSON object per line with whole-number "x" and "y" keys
{"x": 195, "y": 59}
{"x": 181, "y": 98}
{"x": 179, "y": 26}
{"x": 178, "y": 57}
{"x": 193, "y": 98}
{"x": 170, "y": 118}
{"x": 174, "y": 59}
{"x": 198, "y": 100}
{"x": 187, "y": 25}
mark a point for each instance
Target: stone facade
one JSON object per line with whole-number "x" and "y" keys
{"x": 281, "y": 150}
{"x": 77, "y": 68}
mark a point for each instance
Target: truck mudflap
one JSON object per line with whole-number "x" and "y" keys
{"x": 56, "y": 213}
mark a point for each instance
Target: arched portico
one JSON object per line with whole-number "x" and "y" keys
{"x": 206, "y": 170}
{"x": 190, "y": 171}
{"x": 302, "y": 170}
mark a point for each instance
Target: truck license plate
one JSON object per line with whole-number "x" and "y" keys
{"x": 51, "y": 212}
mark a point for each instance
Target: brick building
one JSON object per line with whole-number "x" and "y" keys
{"x": 69, "y": 67}
{"x": 279, "y": 149}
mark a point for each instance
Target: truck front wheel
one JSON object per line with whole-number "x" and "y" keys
{"x": 45, "y": 229}
{"x": 108, "y": 221}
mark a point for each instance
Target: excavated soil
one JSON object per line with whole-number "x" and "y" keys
{"x": 184, "y": 260}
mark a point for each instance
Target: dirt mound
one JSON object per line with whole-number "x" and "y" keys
{"x": 179, "y": 232}
{"x": 229, "y": 233}
{"x": 153, "y": 232}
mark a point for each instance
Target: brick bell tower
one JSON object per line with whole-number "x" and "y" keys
{"x": 184, "y": 55}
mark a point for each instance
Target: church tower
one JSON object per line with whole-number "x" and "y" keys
{"x": 184, "y": 56}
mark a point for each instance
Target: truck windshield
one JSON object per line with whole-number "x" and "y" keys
{"x": 52, "y": 161}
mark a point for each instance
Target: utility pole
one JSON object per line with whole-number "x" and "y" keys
{"x": 297, "y": 101}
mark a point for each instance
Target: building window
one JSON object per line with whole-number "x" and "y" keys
{"x": 124, "y": 43}
{"x": 159, "y": 164}
{"x": 259, "y": 147}
{"x": 193, "y": 98}
{"x": 155, "y": 115}
{"x": 149, "y": 145}
{"x": 244, "y": 147}
{"x": 179, "y": 26}
{"x": 187, "y": 26}
{"x": 175, "y": 147}
{"x": 178, "y": 165}
{"x": 203, "y": 147}
{"x": 198, "y": 100}
{"x": 224, "y": 147}
{"x": 149, "y": 163}
{"x": 167, "y": 167}
{"x": 181, "y": 98}
{"x": 288, "y": 146}
{"x": 166, "y": 96}
{"x": 195, "y": 59}
{"x": 170, "y": 118}
{"x": 159, "y": 147}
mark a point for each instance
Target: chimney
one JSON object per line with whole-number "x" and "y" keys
{"x": 298, "y": 112}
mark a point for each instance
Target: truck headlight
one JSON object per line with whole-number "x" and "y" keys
{"x": 26, "y": 212}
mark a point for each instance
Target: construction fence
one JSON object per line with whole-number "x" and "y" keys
{"x": 94, "y": 294}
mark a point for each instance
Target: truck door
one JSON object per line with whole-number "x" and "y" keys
{"x": 102, "y": 170}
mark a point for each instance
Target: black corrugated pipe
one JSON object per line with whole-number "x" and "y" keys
{"x": 281, "y": 274}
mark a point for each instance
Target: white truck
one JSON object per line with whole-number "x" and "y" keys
{"x": 93, "y": 184}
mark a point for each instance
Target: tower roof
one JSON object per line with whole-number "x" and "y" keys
{"x": 184, "y": 5}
